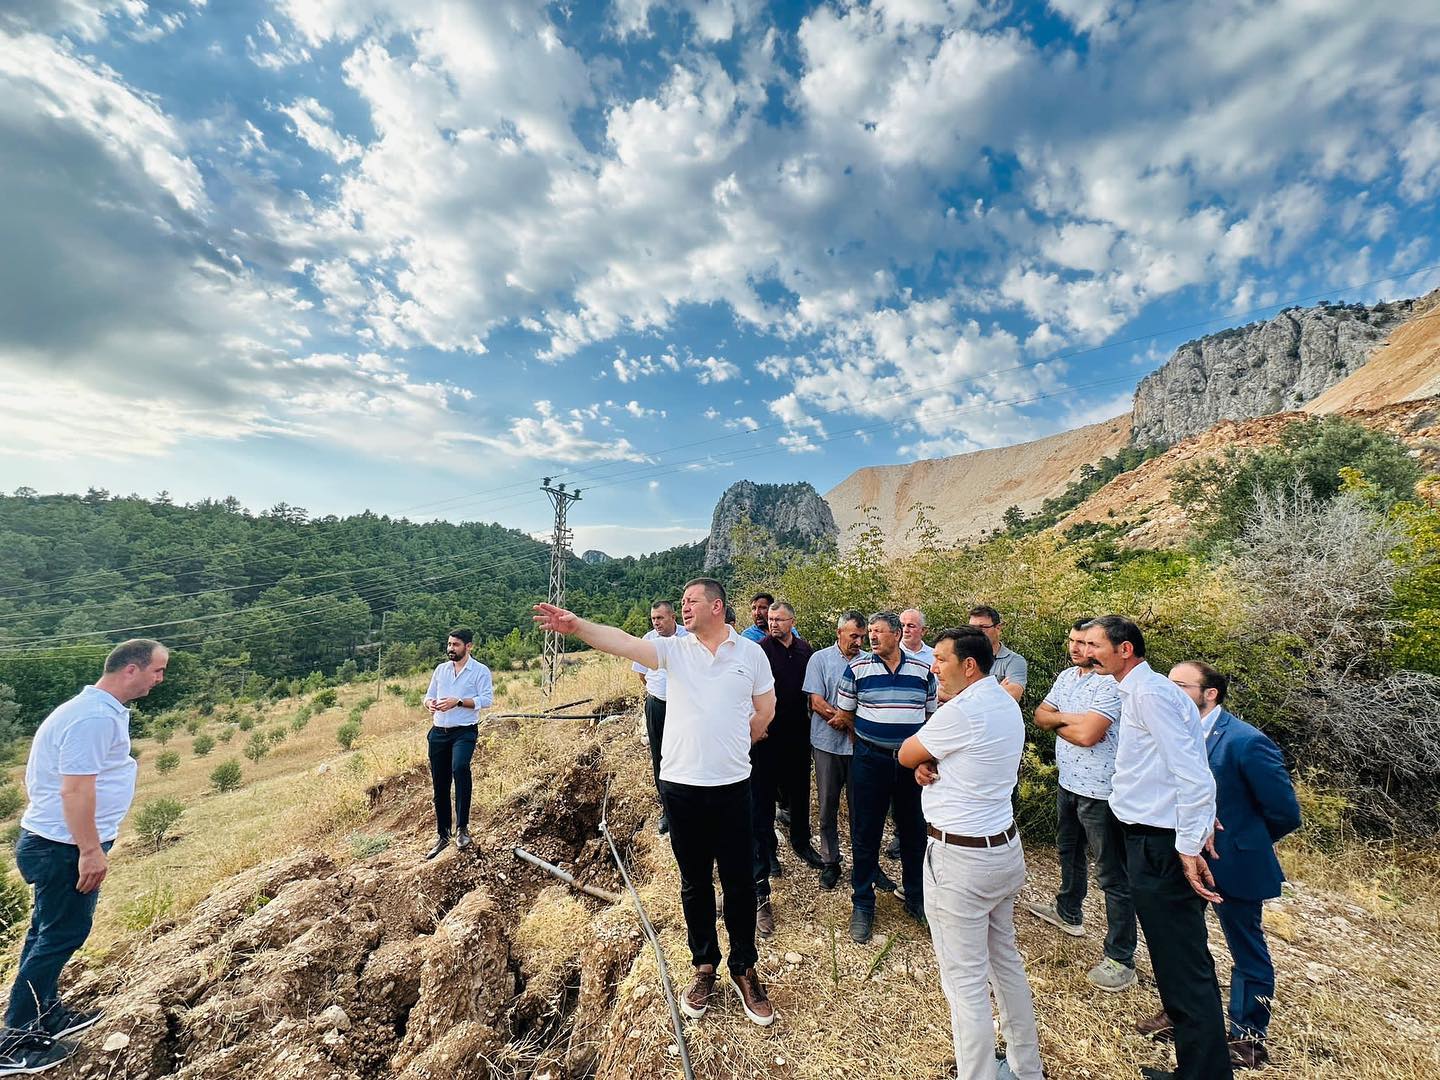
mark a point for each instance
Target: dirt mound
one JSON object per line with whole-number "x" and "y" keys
{"x": 465, "y": 966}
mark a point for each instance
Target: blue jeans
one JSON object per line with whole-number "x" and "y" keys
{"x": 60, "y": 922}
{"x": 878, "y": 782}
{"x": 451, "y": 749}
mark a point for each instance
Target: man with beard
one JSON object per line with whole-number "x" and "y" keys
{"x": 1082, "y": 708}
{"x": 459, "y": 689}
{"x": 759, "y": 629}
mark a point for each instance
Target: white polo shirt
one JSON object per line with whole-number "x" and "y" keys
{"x": 474, "y": 681}
{"x": 89, "y": 735}
{"x": 977, "y": 738}
{"x": 708, "y": 709}
{"x": 655, "y": 677}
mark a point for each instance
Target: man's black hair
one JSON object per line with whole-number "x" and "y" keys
{"x": 985, "y": 611}
{"x": 464, "y": 635}
{"x": 969, "y": 641}
{"x": 762, "y": 596}
{"x": 1119, "y": 630}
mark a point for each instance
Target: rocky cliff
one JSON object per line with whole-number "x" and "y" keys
{"x": 793, "y": 514}
{"x": 593, "y": 556}
{"x": 1259, "y": 369}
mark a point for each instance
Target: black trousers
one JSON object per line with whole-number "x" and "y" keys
{"x": 710, "y": 829}
{"x": 451, "y": 749}
{"x": 1173, "y": 919}
{"x": 655, "y": 731}
{"x": 1087, "y": 829}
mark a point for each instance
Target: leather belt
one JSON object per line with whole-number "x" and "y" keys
{"x": 974, "y": 841}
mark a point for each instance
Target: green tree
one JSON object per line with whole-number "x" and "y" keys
{"x": 226, "y": 776}
{"x": 167, "y": 761}
{"x": 202, "y": 745}
{"x": 348, "y": 734}
{"x": 156, "y": 818}
{"x": 257, "y": 747}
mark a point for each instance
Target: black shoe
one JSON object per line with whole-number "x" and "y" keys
{"x": 809, "y": 856}
{"x": 892, "y": 849}
{"x": 776, "y": 870}
{"x": 782, "y": 816}
{"x": 463, "y": 841}
{"x": 883, "y": 882}
{"x": 918, "y": 914}
{"x": 60, "y": 1021}
{"x": 1156, "y": 1074}
{"x": 830, "y": 876}
{"x": 440, "y": 845}
{"x": 862, "y": 923}
{"x": 30, "y": 1052}
{"x": 664, "y": 826}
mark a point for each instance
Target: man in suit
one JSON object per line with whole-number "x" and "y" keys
{"x": 1255, "y": 802}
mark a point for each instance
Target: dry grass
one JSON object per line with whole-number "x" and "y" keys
{"x": 1356, "y": 939}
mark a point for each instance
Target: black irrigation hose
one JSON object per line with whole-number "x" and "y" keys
{"x": 675, "y": 1020}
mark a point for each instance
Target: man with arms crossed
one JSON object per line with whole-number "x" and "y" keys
{"x": 1257, "y": 805}
{"x": 830, "y": 739}
{"x": 885, "y": 696}
{"x": 720, "y": 699}
{"x": 662, "y": 624}
{"x": 81, "y": 780}
{"x": 459, "y": 689}
{"x": 1164, "y": 795}
{"x": 968, "y": 757}
{"x": 1082, "y": 708}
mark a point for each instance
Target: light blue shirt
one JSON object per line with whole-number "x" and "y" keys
{"x": 1010, "y": 665}
{"x": 754, "y": 633}
{"x": 924, "y": 652}
{"x": 473, "y": 682}
{"x": 822, "y": 676}
{"x": 1086, "y": 770}
{"x": 89, "y": 735}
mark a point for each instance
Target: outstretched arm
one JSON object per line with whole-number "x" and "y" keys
{"x": 608, "y": 639}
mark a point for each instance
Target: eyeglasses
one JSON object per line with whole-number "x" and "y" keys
{"x": 984, "y": 625}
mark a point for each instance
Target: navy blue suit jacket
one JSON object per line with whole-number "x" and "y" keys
{"x": 1255, "y": 802}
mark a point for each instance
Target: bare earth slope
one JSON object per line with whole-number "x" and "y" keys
{"x": 1406, "y": 368}
{"x": 971, "y": 492}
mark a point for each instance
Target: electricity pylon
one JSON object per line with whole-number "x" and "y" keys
{"x": 559, "y": 549}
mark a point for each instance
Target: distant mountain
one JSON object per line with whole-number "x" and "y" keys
{"x": 594, "y": 557}
{"x": 793, "y": 514}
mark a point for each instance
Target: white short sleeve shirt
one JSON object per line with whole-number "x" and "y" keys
{"x": 655, "y": 677}
{"x": 89, "y": 735}
{"x": 977, "y": 738}
{"x": 708, "y": 708}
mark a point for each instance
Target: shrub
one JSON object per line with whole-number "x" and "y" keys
{"x": 348, "y": 734}
{"x": 394, "y": 688}
{"x": 163, "y": 733}
{"x": 10, "y": 835}
{"x": 257, "y": 747}
{"x": 155, "y": 819}
{"x": 135, "y": 752}
{"x": 363, "y": 846}
{"x": 325, "y": 699}
{"x": 226, "y": 776}
{"x": 414, "y": 698}
{"x": 12, "y": 800}
{"x": 277, "y": 736}
{"x": 149, "y": 908}
{"x": 227, "y": 734}
{"x": 194, "y": 724}
{"x": 167, "y": 761}
{"x": 14, "y": 903}
{"x": 202, "y": 745}
{"x": 246, "y": 723}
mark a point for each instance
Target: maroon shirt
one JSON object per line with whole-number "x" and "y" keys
{"x": 792, "y": 704}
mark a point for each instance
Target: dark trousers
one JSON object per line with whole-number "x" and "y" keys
{"x": 1088, "y": 830}
{"x": 1173, "y": 918}
{"x": 832, "y": 779}
{"x": 655, "y": 731}
{"x": 878, "y": 782}
{"x": 710, "y": 829}
{"x": 764, "y": 780}
{"x": 60, "y": 921}
{"x": 451, "y": 749}
{"x": 1252, "y": 979}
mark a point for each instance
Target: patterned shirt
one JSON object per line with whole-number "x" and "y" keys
{"x": 889, "y": 706}
{"x": 1086, "y": 770}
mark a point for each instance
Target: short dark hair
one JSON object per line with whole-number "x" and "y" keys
{"x": 1212, "y": 679}
{"x": 729, "y": 614}
{"x": 1119, "y": 630}
{"x": 713, "y": 589}
{"x": 762, "y": 596}
{"x": 666, "y": 604}
{"x": 886, "y": 617}
{"x": 969, "y": 641}
{"x": 464, "y": 635}
{"x": 1081, "y": 623}
{"x": 985, "y": 611}
{"x": 138, "y": 651}
{"x": 852, "y": 616}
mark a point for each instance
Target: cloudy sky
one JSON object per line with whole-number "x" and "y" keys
{"x": 412, "y": 255}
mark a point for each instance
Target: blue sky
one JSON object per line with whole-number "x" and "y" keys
{"x": 412, "y": 255}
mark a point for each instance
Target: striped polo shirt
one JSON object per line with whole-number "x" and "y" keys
{"x": 889, "y": 706}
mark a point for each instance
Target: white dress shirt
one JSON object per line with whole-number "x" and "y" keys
{"x": 977, "y": 737}
{"x": 655, "y": 677}
{"x": 89, "y": 735}
{"x": 473, "y": 682}
{"x": 1162, "y": 775}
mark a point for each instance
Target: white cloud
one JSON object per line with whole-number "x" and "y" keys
{"x": 629, "y": 370}
{"x": 547, "y": 436}
{"x": 640, "y": 412}
{"x": 713, "y": 369}
{"x": 743, "y": 423}
{"x": 620, "y": 540}
{"x": 315, "y": 125}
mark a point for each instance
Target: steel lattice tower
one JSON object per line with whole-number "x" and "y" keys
{"x": 559, "y": 549}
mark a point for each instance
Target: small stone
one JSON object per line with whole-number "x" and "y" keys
{"x": 117, "y": 1040}
{"x": 335, "y": 1017}
{"x": 332, "y": 1037}
{"x": 793, "y": 958}
{"x": 779, "y": 1060}
{"x": 672, "y": 1050}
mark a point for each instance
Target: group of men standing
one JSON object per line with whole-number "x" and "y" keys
{"x": 1176, "y": 801}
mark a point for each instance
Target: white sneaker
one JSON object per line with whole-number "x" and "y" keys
{"x": 1111, "y": 976}
{"x": 1048, "y": 913}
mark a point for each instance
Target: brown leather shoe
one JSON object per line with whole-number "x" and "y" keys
{"x": 765, "y": 919}
{"x": 1248, "y": 1054}
{"x": 696, "y": 1000}
{"x": 1159, "y": 1027}
{"x": 753, "y": 998}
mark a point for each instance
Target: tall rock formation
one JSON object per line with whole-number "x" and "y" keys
{"x": 1259, "y": 369}
{"x": 794, "y": 514}
{"x": 593, "y": 557}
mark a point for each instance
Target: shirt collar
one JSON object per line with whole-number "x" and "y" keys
{"x": 1208, "y": 721}
{"x": 1137, "y": 675}
{"x": 971, "y": 691}
{"x": 109, "y": 700}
